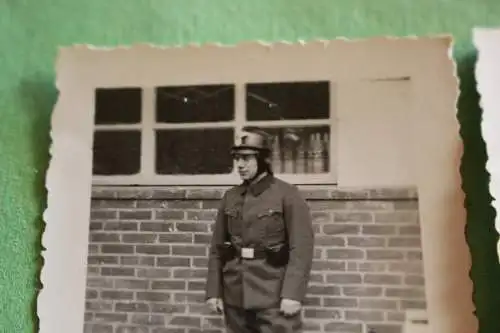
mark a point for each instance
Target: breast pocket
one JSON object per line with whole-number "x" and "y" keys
{"x": 233, "y": 221}
{"x": 272, "y": 221}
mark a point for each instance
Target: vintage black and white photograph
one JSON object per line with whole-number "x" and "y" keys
{"x": 261, "y": 196}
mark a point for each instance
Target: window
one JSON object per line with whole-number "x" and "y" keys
{"x": 298, "y": 116}
{"x": 117, "y": 138}
{"x": 181, "y": 135}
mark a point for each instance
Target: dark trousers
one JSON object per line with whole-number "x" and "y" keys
{"x": 239, "y": 320}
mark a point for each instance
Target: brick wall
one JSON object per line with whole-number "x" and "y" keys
{"x": 148, "y": 255}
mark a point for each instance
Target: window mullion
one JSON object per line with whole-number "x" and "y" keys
{"x": 240, "y": 106}
{"x": 333, "y": 136}
{"x": 239, "y": 109}
{"x": 148, "y": 145}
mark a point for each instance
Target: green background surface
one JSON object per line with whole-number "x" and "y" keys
{"x": 32, "y": 31}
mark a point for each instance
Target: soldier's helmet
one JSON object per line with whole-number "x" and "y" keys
{"x": 252, "y": 141}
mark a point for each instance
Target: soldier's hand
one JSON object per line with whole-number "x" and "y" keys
{"x": 215, "y": 304}
{"x": 290, "y": 307}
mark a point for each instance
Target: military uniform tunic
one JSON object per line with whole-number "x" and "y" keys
{"x": 267, "y": 214}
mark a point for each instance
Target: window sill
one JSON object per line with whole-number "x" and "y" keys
{"x": 310, "y": 192}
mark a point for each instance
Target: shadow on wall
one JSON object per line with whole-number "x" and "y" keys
{"x": 480, "y": 229}
{"x": 38, "y": 95}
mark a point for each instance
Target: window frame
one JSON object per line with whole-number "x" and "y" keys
{"x": 148, "y": 177}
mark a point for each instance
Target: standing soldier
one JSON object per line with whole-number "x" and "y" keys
{"x": 262, "y": 246}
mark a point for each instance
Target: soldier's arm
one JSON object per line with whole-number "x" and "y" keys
{"x": 213, "y": 283}
{"x": 301, "y": 241}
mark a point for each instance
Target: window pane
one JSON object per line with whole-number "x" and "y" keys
{"x": 118, "y": 106}
{"x": 192, "y": 104}
{"x": 194, "y": 152}
{"x": 289, "y": 101}
{"x": 301, "y": 150}
{"x": 117, "y": 152}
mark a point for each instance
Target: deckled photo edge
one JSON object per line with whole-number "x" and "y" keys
{"x": 487, "y": 75}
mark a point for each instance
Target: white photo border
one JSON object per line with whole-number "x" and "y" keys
{"x": 437, "y": 149}
{"x": 487, "y": 41}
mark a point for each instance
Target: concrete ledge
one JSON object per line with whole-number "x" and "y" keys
{"x": 215, "y": 193}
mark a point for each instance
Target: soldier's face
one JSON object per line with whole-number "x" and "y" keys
{"x": 246, "y": 164}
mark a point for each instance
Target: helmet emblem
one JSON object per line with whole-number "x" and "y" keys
{"x": 243, "y": 138}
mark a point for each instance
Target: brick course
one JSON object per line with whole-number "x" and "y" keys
{"x": 148, "y": 254}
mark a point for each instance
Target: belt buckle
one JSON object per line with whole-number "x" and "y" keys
{"x": 247, "y": 253}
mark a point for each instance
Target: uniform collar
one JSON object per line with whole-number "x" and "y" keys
{"x": 257, "y": 188}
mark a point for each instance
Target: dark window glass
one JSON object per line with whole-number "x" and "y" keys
{"x": 300, "y": 150}
{"x": 193, "y": 104}
{"x": 117, "y": 152}
{"x": 194, "y": 152}
{"x": 118, "y": 106}
{"x": 289, "y": 101}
